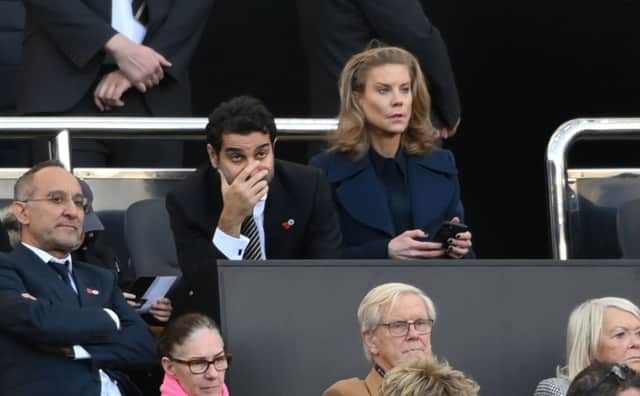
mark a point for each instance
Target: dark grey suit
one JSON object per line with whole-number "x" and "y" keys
{"x": 63, "y": 52}
{"x": 64, "y": 60}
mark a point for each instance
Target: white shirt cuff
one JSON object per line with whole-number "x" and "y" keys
{"x": 80, "y": 353}
{"x": 113, "y": 316}
{"x": 232, "y": 247}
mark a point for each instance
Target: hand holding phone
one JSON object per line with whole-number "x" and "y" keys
{"x": 449, "y": 230}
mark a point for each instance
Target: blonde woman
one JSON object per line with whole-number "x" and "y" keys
{"x": 605, "y": 330}
{"x": 392, "y": 187}
{"x": 428, "y": 377}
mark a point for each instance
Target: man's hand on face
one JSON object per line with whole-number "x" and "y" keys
{"x": 241, "y": 196}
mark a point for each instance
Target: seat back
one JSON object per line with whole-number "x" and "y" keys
{"x": 149, "y": 239}
{"x": 628, "y": 226}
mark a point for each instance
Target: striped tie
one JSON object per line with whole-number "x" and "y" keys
{"x": 250, "y": 230}
{"x": 140, "y": 12}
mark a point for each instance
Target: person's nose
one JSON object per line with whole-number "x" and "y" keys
{"x": 411, "y": 331}
{"x": 71, "y": 210}
{"x": 635, "y": 341}
{"x": 396, "y": 98}
{"x": 211, "y": 372}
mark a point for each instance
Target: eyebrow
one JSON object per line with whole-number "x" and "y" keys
{"x": 217, "y": 355}
{"x": 49, "y": 193}
{"x": 237, "y": 150}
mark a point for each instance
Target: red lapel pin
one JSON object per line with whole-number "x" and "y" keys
{"x": 92, "y": 291}
{"x": 288, "y": 224}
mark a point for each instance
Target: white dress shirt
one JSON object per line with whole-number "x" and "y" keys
{"x": 124, "y": 22}
{"x": 108, "y": 387}
{"x": 232, "y": 247}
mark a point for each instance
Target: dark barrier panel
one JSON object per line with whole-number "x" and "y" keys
{"x": 292, "y": 328}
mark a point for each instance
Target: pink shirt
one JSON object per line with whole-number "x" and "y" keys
{"x": 171, "y": 387}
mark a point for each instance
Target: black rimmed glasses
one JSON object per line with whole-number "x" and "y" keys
{"x": 59, "y": 198}
{"x": 199, "y": 366}
{"x": 617, "y": 372}
{"x": 400, "y": 328}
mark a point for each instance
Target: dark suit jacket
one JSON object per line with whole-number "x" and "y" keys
{"x": 296, "y": 192}
{"x": 367, "y": 225}
{"x": 63, "y": 51}
{"x": 59, "y": 317}
{"x": 337, "y": 29}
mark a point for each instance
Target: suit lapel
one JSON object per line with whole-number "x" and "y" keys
{"x": 361, "y": 194}
{"x": 278, "y": 210}
{"x": 158, "y": 10}
{"x": 373, "y": 382}
{"x": 430, "y": 191}
{"x": 41, "y": 270}
{"x": 80, "y": 284}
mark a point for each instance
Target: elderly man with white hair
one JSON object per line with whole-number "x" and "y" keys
{"x": 396, "y": 320}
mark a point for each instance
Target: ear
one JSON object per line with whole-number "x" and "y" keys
{"x": 167, "y": 366}
{"x": 21, "y": 212}
{"x": 213, "y": 156}
{"x": 371, "y": 342}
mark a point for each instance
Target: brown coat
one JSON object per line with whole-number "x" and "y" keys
{"x": 370, "y": 386}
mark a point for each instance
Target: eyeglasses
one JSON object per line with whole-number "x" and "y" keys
{"x": 401, "y": 328}
{"x": 199, "y": 366}
{"x": 61, "y": 199}
{"x": 619, "y": 372}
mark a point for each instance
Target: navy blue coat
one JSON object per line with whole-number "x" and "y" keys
{"x": 365, "y": 218}
{"x": 59, "y": 317}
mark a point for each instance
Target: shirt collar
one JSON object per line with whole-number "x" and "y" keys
{"x": 378, "y": 161}
{"x": 46, "y": 257}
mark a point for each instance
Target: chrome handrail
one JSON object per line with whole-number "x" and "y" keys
{"x": 61, "y": 129}
{"x": 557, "y": 149}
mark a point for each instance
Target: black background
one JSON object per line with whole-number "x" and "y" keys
{"x": 523, "y": 68}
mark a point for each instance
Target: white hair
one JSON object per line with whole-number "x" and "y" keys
{"x": 584, "y": 331}
{"x": 380, "y": 297}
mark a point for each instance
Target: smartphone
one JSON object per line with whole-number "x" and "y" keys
{"x": 140, "y": 286}
{"x": 447, "y": 230}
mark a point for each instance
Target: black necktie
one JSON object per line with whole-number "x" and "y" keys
{"x": 140, "y": 12}
{"x": 63, "y": 271}
{"x": 250, "y": 230}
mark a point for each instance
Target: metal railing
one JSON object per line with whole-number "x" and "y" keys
{"x": 557, "y": 172}
{"x": 60, "y": 130}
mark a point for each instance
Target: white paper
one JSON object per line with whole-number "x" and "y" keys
{"x": 158, "y": 289}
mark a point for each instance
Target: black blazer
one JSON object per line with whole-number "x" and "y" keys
{"x": 367, "y": 225}
{"x": 335, "y": 30}
{"x": 59, "y": 317}
{"x": 63, "y": 51}
{"x": 296, "y": 192}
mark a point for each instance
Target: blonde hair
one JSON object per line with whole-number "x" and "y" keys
{"x": 351, "y": 135}
{"x": 584, "y": 331}
{"x": 428, "y": 377}
{"x": 377, "y": 299}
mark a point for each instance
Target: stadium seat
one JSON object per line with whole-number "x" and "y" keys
{"x": 628, "y": 224}
{"x": 149, "y": 239}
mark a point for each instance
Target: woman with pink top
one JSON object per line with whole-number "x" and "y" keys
{"x": 193, "y": 357}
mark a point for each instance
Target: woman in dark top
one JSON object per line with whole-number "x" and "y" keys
{"x": 393, "y": 188}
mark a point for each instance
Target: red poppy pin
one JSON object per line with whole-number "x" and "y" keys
{"x": 92, "y": 291}
{"x": 288, "y": 224}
